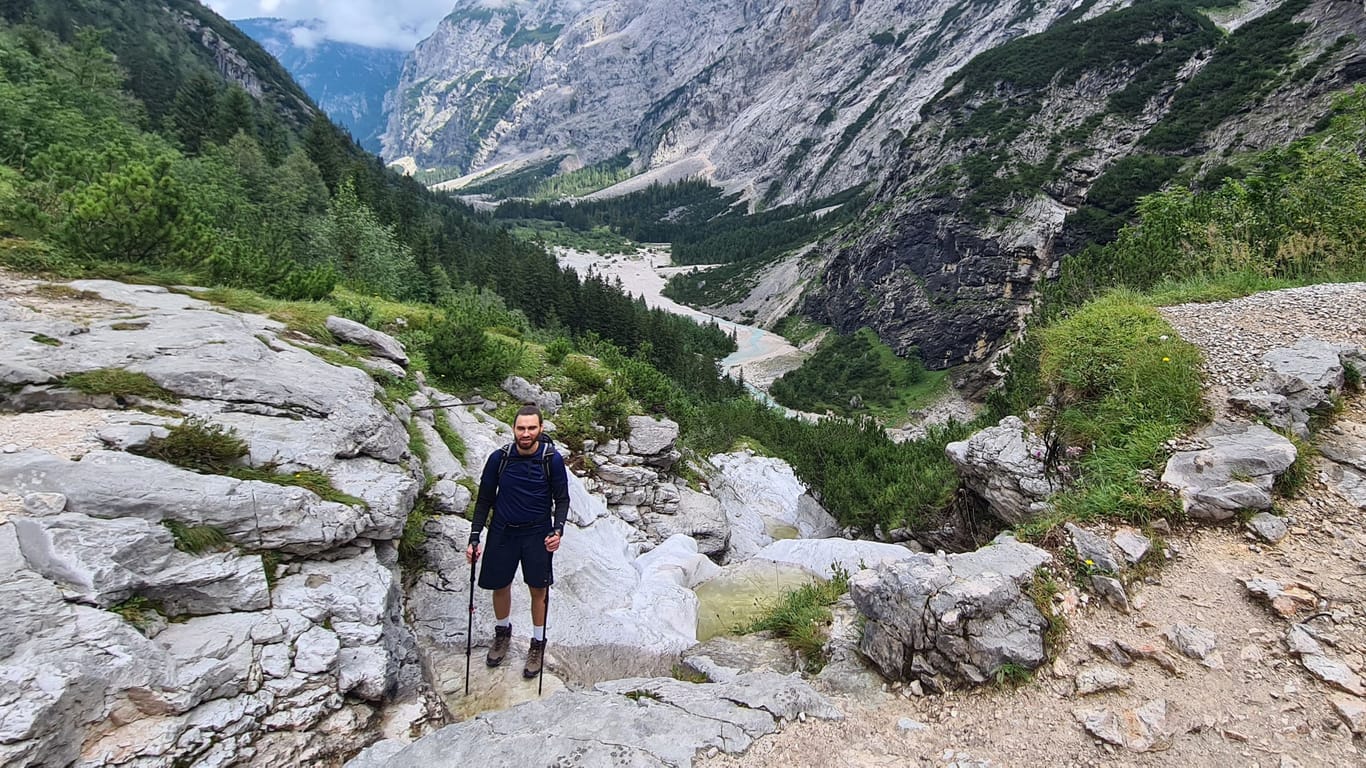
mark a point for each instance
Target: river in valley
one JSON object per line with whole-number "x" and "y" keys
{"x": 760, "y": 355}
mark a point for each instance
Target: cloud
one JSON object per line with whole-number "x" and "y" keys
{"x": 378, "y": 23}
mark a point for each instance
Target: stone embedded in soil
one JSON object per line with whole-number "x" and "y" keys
{"x": 1191, "y": 641}
{"x": 1101, "y": 678}
{"x": 1132, "y": 544}
{"x": 1302, "y": 642}
{"x": 1112, "y": 590}
{"x": 1138, "y": 730}
{"x": 1286, "y": 600}
{"x": 1268, "y": 527}
{"x": 1108, "y": 649}
{"x": 1352, "y": 710}
{"x": 1092, "y": 549}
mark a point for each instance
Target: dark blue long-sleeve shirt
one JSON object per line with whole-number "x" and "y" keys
{"x": 524, "y": 494}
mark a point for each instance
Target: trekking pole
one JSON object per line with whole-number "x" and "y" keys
{"x": 469, "y": 628}
{"x": 444, "y": 405}
{"x": 545, "y": 628}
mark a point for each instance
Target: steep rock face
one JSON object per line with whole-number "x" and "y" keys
{"x": 1025, "y": 150}
{"x": 348, "y": 81}
{"x": 782, "y": 98}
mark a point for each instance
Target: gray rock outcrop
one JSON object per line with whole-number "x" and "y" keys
{"x": 765, "y": 501}
{"x": 1236, "y": 471}
{"x": 1004, "y": 465}
{"x": 953, "y": 620}
{"x": 618, "y": 723}
{"x": 526, "y": 392}
{"x": 1301, "y": 383}
{"x": 104, "y": 562}
{"x": 198, "y": 659}
{"x": 380, "y": 343}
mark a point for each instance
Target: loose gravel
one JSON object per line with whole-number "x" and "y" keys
{"x": 1234, "y": 335}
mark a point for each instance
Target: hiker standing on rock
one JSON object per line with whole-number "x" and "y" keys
{"x": 526, "y": 487}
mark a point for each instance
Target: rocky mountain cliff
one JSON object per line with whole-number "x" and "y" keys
{"x": 1045, "y": 144}
{"x": 999, "y": 135}
{"x": 783, "y": 99}
{"x": 348, "y": 81}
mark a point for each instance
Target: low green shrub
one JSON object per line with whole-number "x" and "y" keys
{"x": 195, "y": 539}
{"x": 197, "y": 444}
{"x": 1122, "y": 383}
{"x": 802, "y": 618}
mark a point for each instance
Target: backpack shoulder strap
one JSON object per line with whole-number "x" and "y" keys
{"x": 503, "y": 461}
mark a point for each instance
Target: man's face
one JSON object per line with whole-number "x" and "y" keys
{"x": 527, "y": 430}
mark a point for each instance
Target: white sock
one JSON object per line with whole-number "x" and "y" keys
{"x": 505, "y": 622}
{"x": 538, "y": 633}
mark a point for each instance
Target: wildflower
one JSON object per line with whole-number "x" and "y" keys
{"x": 1089, "y": 561}
{"x": 1166, "y": 359}
{"x": 1163, "y": 337}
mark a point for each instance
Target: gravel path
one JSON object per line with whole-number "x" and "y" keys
{"x": 1235, "y": 334}
{"x": 1257, "y": 706}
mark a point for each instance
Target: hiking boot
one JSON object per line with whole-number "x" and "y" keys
{"x": 502, "y": 638}
{"x": 535, "y": 657}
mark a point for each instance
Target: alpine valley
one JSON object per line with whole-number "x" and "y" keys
{"x": 993, "y": 137}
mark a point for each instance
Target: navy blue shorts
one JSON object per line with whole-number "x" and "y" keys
{"x": 509, "y": 547}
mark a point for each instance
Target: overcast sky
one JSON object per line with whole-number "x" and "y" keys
{"x": 381, "y": 23}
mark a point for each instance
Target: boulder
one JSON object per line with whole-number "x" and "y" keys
{"x": 1268, "y": 527}
{"x": 952, "y": 620}
{"x": 1234, "y": 473}
{"x": 526, "y": 392}
{"x": 699, "y": 516}
{"x": 107, "y": 562}
{"x": 382, "y": 344}
{"x": 764, "y": 500}
{"x": 1004, "y": 465}
{"x": 651, "y": 437}
{"x": 1302, "y": 382}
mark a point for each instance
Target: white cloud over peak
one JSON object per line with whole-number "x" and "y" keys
{"x": 378, "y": 23}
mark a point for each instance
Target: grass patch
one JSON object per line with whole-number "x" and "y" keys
{"x": 199, "y": 445}
{"x": 1012, "y": 675}
{"x": 307, "y": 317}
{"x": 798, "y": 329}
{"x": 194, "y": 539}
{"x": 412, "y": 544}
{"x": 309, "y": 480}
{"x": 127, "y": 326}
{"x": 1293, "y": 480}
{"x": 802, "y": 618}
{"x": 43, "y": 338}
{"x": 449, "y": 436}
{"x": 142, "y": 613}
{"x": 417, "y": 444}
{"x": 1042, "y": 590}
{"x": 1209, "y": 288}
{"x": 118, "y": 382}
{"x": 65, "y": 292}
{"x": 1122, "y": 383}
{"x": 270, "y": 564}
